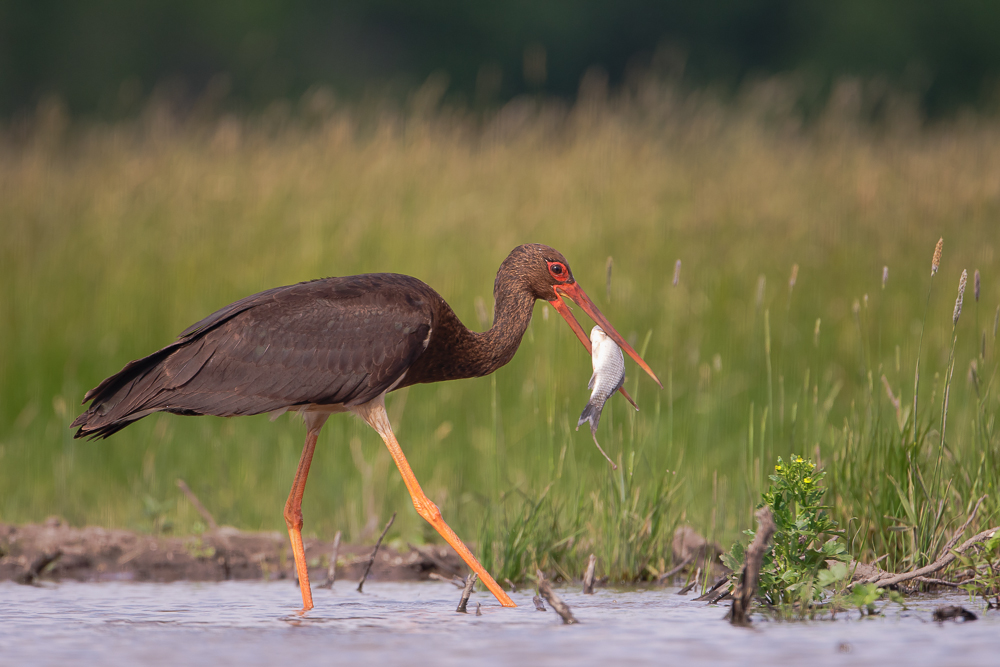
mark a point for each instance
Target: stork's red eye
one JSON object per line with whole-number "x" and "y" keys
{"x": 559, "y": 271}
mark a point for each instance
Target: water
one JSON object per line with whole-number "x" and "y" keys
{"x": 251, "y": 623}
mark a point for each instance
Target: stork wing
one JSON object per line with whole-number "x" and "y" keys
{"x": 331, "y": 341}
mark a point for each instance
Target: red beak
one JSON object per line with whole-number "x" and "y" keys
{"x": 573, "y": 291}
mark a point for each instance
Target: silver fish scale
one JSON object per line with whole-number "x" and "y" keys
{"x": 609, "y": 367}
{"x": 608, "y": 377}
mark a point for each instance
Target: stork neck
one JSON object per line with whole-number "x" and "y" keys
{"x": 511, "y": 316}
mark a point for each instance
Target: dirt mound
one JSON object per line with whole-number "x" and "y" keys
{"x": 54, "y": 550}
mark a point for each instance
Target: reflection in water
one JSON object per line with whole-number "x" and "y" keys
{"x": 253, "y": 623}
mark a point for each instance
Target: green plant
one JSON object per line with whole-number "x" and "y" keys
{"x": 156, "y": 512}
{"x": 984, "y": 565}
{"x": 864, "y": 596}
{"x": 795, "y": 568}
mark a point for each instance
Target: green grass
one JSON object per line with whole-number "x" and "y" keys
{"x": 116, "y": 237}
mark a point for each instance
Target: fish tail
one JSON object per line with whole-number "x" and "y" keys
{"x": 591, "y": 413}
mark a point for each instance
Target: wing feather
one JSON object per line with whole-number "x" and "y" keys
{"x": 327, "y": 342}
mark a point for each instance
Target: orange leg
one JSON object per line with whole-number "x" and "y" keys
{"x": 293, "y": 519}
{"x": 374, "y": 413}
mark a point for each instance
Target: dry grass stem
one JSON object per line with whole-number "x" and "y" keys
{"x": 331, "y": 572}
{"x": 202, "y": 510}
{"x": 368, "y": 567}
{"x": 958, "y": 533}
{"x": 607, "y": 285}
{"x": 892, "y": 398}
{"x": 961, "y": 295}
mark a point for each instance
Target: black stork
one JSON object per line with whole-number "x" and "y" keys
{"x": 339, "y": 345}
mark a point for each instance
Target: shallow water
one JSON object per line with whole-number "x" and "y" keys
{"x": 251, "y": 623}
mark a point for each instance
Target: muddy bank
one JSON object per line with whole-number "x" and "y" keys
{"x": 96, "y": 554}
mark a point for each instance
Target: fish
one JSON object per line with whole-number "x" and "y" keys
{"x": 608, "y": 377}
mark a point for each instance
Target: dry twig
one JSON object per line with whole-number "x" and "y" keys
{"x": 375, "y": 551}
{"x": 470, "y": 581}
{"x": 205, "y": 514}
{"x": 561, "y": 607}
{"x": 692, "y": 583}
{"x": 886, "y": 579}
{"x": 714, "y": 594}
{"x": 674, "y": 570}
{"x": 746, "y": 588}
{"x": 588, "y": 577}
{"x": 457, "y": 582}
{"x": 331, "y": 572}
{"x": 34, "y": 571}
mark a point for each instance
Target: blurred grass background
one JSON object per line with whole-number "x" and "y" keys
{"x": 117, "y": 236}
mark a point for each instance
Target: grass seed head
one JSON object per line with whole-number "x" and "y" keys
{"x": 961, "y": 294}
{"x": 976, "y": 283}
{"x": 793, "y": 277}
{"x": 885, "y": 275}
{"x": 677, "y": 273}
{"x": 936, "y": 260}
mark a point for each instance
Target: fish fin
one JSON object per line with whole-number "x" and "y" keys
{"x": 593, "y": 379}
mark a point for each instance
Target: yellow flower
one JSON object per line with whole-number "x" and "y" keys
{"x": 777, "y": 468}
{"x": 798, "y": 459}
{"x": 808, "y": 480}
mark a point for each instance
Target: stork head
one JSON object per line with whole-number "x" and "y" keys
{"x": 547, "y": 275}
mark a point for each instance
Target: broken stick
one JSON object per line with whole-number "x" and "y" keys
{"x": 457, "y": 582}
{"x": 691, "y": 584}
{"x": 470, "y": 581}
{"x": 561, "y": 607}
{"x": 671, "y": 572}
{"x": 31, "y": 575}
{"x": 588, "y": 578}
{"x": 746, "y": 588}
{"x": 371, "y": 560}
{"x": 885, "y": 579}
{"x": 331, "y": 572}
